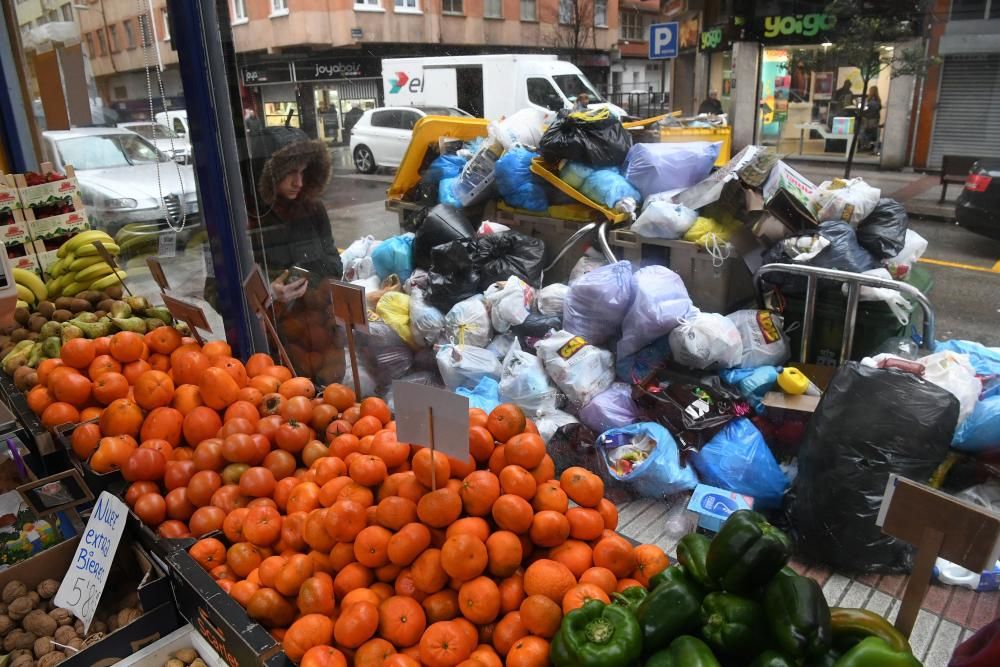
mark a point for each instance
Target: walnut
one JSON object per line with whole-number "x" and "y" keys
{"x": 36, "y": 599}
{"x": 126, "y": 616}
{"x": 18, "y": 638}
{"x": 3, "y": 607}
{"x": 23, "y": 658}
{"x": 50, "y": 659}
{"x": 43, "y": 645}
{"x": 93, "y": 639}
{"x": 14, "y": 590}
{"x": 40, "y": 623}
{"x": 61, "y": 616}
{"x": 6, "y": 624}
{"x": 47, "y": 588}
{"x": 20, "y": 608}
{"x": 76, "y": 644}
{"x": 64, "y": 634}
{"x": 99, "y": 626}
{"x": 130, "y": 600}
{"x": 78, "y": 626}
{"x": 112, "y": 622}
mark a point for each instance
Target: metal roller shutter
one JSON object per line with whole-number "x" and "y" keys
{"x": 966, "y": 121}
{"x": 361, "y": 89}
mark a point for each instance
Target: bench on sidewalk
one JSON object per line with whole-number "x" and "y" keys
{"x": 954, "y": 169}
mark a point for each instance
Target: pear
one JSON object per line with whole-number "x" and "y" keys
{"x": 137, "y": 303}
{"x": 161, "y": 314}
{"x": 50, "y": 328}
{"x": 133, "y": 324}
{"x": 50, "y": 347}
{"x": 87, "y": 317}
{"x": 71, "y": 331}
{"x": 102, "y": 327}
{"x": 121, "y": 309}
{"x": 17, "y": 357}
{"x": 35, "y": 355}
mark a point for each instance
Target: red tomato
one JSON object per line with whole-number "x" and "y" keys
{"x": 144, "y": 465}
{"x": 151, "y": 508}
{"x": 178, "y": 473}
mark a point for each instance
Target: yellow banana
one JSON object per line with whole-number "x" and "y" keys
{"x": 73, "y": 288}
{"x": 25, "y": 294}
{"x": 31, "y": 280}
{"x": 83, "y": 262}
{"x": 107, "y": 281}
{"x": 91, "y": 250}
{"x": 56, "y": 269}
{"x": 84, "y": 239}
{"x": 93, "y": 272}
{"x": 21, "y": 304}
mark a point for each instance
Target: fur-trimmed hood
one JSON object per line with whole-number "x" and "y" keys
{"x": 314, "y": 155}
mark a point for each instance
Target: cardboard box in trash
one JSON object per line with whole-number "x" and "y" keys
{"x": 787, "y": 194}
{"x": 714, "y": 505}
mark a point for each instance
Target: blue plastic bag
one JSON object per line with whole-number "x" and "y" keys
{"x": 446, "y": 192}
{"x": 486, "y": 395}
{"x": 639, "y": 366}
{"x": 980, "y": 432}
{"x": 515, "y": 182}
{"x": 444, "y": 166}
{"x": 655, "y": 168}
{"x": 737, "y": 459}
{"x": 394, "y": 255}
{"x": 575, "y": 173}
{"x": 608, "y": 187}
{"x": 753, "y": 383}
{"x": 659, "y": 475}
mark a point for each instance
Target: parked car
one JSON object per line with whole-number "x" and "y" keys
{"x": 176, "y": 120}
{"x": 122, "y": 178}
{"x": 381, "y": 136}
{"x": 978, "y": 207}
{"x": 161, "y": 136}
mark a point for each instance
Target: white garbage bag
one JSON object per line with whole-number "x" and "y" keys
{"x": 357, "y": 259}
{"x": 524, "y": 383}
{"x": 849, "y": 201}
{"x": 953, "y": 372}
{"x": 465, "y": 366}
{"x": 426, "y": 322}
{"x": 578, "y": 368}
{"x": 764, "y": 342}
{"x": 549, "y": 300}
{"x": 509, "y": 303}
{"x": 551, "y": 422}
{"x": 663, "y": 220}
{"x": 898, "y": 304}
{"x": 468, "y": 322}
{"x": 522, "y": 128}
{"x": 591, "y": 259}
{"x": 706, "y": 341}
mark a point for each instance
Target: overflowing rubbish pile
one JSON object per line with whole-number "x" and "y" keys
{"x": 621, "y": 369}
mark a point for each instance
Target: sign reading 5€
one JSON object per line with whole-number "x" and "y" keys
{"x": 663, "y": 40}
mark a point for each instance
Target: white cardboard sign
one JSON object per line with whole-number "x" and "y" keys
{"x": 417, "y": 405}
{"x": 88, "y": 573}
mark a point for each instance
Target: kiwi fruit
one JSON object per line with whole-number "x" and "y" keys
{"x": 36, "y": 322}
{"x": 105, "y": 305}
{"x": 93, "y": 296}
{"x": 21, "y": 315}
{"x": 25, "y": 378}
{"x": 19, "y": 334}
{"x": 79, "y": 305}
{"x": 46, "y": 308}
{"x": 62, "y": 315}
{"x": 64, "y": 303}
{"x": 114, "y": 292}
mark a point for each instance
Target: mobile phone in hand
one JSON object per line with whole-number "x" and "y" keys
{"x": 297, "y": 273}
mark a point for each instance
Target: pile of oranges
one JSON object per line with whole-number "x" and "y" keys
{"x": 348, "y": 545}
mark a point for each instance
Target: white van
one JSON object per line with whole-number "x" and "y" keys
{"x": 487, "y": 86}
{"x": 176, "y": 120}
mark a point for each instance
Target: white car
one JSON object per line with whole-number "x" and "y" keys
{"x": 161, "y": 136}
{"x": 381, "y": 136}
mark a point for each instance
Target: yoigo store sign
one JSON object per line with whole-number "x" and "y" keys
{"x": 795, "y": 29}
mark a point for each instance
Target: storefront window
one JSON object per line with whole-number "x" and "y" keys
{"x": 814, "y": 113}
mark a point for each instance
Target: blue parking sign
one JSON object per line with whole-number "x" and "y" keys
{"x": 663, "y": 40}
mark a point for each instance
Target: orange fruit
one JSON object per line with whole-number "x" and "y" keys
{"x": 580, "y": 594}
{"x": 541, "y": 616}
{"x": 549, "y": 578}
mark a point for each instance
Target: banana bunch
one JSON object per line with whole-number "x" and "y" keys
{"x": 80, "y": 267}
{"x": 30, "y": 288}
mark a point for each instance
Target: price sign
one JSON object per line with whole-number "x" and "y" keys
{"x": 84, "y": 582}
{"x": 435, "y": 418}
{"x": 260, "y": 301}
{"x": 156, "y": 270}
{"x": 349, "y": 309}
{"x": 110, "y": 260}
{"x": 167, "y": 244}
{"x": 193, "y": 316}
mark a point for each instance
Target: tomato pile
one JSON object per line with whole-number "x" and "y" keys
{"x": 34, "y": 178}
{"x": 348, "y": 545}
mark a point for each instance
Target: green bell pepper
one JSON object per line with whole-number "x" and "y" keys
{"x": 733, "y": 625}
{"x": 772, "y": 659}
{"x": 692, "y": 551}
{"x": 597, "y": 635}
{"x": 799, "y": 616}
{"x": 685, "y": 651}
{"x": 875, "y": 652}
{"x": 746, "y": 553}
{"x": 630, "y": 598}
{"x": 850, "y": 626}
{"x": 670, "y": 609}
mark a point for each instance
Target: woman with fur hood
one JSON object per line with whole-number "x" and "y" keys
{"x": 293, "y": 244}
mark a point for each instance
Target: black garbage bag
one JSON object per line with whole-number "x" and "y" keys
{"x": 596, "y": 138}
{"x": 843, "y": 253}
{"x": 500, "y": 256}
{"x": 441, "y": 225}
{"x": 883, "y": 232}
{"x": 453, "y": 276}
{"x": 871, "y": 422}
{"x": 537, "y": 325}
{"x": 387, "y": 355}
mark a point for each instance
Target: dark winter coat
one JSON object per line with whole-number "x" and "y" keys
{"x": 287, "y": 233}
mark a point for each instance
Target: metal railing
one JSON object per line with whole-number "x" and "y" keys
{"x": 641, "y": 104}
{"x": 854, "y": 282}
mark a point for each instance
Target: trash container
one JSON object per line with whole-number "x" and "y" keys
{"x": 875, "y": 322}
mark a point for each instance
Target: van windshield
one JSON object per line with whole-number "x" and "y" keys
{"x": 573, "y": 84}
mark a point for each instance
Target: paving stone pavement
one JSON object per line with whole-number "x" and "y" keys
{"x": 948, "y": 616}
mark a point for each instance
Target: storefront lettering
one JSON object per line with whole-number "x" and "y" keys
{"x": 711, "y": 38}
{"x": 807, "y": 25}
{"x": 250, "y": 75}
{"x": 336, "y": 70}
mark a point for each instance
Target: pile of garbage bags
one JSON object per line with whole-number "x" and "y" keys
{"x": 620, "y": 369}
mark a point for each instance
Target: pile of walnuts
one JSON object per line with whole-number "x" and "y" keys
{"x": 36, "y": 633}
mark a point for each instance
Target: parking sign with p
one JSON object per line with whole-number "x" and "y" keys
{"x": 663, "y": 40}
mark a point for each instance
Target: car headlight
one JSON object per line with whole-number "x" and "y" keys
{"x": 123, "y": 202}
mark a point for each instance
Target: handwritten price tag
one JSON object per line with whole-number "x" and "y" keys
{"x": 88, "y": 573}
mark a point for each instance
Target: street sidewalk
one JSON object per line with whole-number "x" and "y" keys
{"x": 918, "y": 192}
